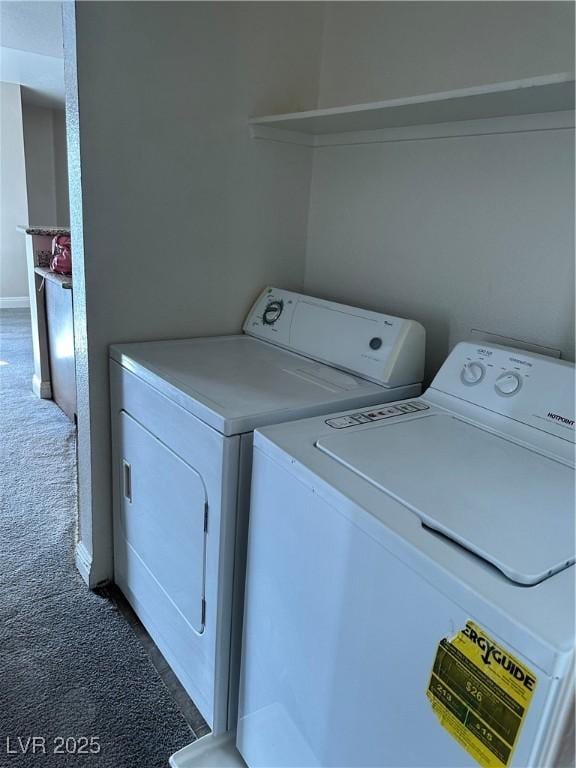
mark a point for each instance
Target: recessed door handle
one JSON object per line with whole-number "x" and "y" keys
{"x": 127, "y": 480}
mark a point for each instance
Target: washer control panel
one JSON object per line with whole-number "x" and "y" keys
{"x": 527, "y": 387}
{"x": 376, "y": 414}
{"x": 508, "y": 383}
{"x": 505, "y": 380}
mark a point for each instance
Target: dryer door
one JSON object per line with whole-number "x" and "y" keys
{"x": 162, "y": 517}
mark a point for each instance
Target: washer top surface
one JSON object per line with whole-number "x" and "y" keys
{"x": 237, "y": 383}
{"x": 500, "y": 500}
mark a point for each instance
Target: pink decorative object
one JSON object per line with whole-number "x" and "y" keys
{"x": 61, "y": 255}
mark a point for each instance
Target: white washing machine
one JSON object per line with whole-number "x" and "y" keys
{"x": 410, "y": 582}
{"x": 182, "y": 419}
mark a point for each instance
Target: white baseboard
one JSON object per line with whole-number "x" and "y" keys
{"x": 42, "y": 389}
{"x": 83, "y": 561}
{"x": 14, "y": 302}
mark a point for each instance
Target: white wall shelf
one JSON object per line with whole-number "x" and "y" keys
{"x": 537, "y": 95}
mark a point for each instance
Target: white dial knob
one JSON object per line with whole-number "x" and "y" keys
{"x": 272, "y": 312}
{"x": 472, "y": 373}
{"x": 508, "y": 383}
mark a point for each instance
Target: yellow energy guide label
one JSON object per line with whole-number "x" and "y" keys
{"x": 480, "y": 693}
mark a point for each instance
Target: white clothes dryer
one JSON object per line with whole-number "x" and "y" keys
{"x": 183, "y": 412}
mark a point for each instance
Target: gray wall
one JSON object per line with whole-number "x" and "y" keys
{"x": 182, "y": 218}
{"x": 61, "y": 167}
{"x": 179, "y": 218}
{"x": 459, "y": 233}
{"x": 46, "y": 172}
{"x": 39, "y": 150}
{"x": 13, "y": 199}
{"x": 381, "y": 50}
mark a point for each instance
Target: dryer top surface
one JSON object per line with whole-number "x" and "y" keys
{"x": 236, "y": 383}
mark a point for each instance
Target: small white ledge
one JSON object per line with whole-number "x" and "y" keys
{"x": 549, "y": 93}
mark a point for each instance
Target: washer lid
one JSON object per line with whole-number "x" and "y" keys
{"x": 508, "y": 504}
{"x": 237, "y": 383}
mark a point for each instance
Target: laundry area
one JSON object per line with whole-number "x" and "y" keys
{"x": 320, "y": 377}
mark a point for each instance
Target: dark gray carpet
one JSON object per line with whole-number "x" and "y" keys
{"x": 70, "y": 665}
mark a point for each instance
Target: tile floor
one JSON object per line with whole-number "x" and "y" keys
{"x": 176, "y": 689}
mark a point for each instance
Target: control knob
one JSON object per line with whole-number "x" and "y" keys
{"x": 508, "y": 383}
{"x": 472, "y": 373}
{"x": 272, "y": 312}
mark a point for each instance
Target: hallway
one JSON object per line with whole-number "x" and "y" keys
{"x": 70, "y": 663}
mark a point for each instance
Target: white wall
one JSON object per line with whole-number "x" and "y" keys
{"x": 13, "y": 200}
{"x": 458, "y": 233}
{"x": 381, "y": 50}
{"x": 181, "y": 217}
{"x": 45, "y": 150}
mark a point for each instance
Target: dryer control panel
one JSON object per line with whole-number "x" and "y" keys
{"x": 381, "y": 348}
{"x": 530, "y": 388}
